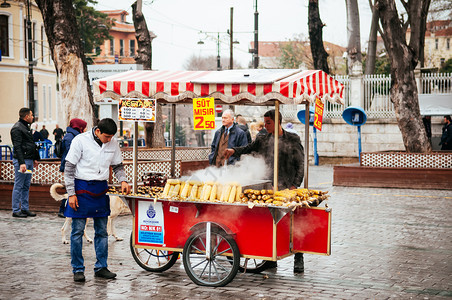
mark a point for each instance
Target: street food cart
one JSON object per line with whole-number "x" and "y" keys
{"x": 217, "y": 239}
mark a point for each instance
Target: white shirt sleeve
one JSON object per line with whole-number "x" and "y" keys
{"x": 75, "y": 151}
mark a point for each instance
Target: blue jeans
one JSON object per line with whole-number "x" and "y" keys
{"x": 100, "y": 243}
{"x": 21, "y": 188}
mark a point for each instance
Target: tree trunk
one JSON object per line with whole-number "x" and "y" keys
{"x": 353, "y": 34}
{"x": 319, "y": 55}
{"x": 153, "y": 131}
{"x": 372, "y": 49}
{"x": 404, "y": 58}
{"x": 65, "y": 47}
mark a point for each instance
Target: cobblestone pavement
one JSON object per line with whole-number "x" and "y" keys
{"x": 386, "y": 243}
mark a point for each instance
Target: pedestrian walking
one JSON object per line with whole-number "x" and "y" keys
{"x": 76, "y": 126}
{"x": 58, "y": 133}
{"x": 446, "y": 137}
{"x": 86, "y": 173}
{"x": 44, "y": 132}
{"x": 25, "y": 155}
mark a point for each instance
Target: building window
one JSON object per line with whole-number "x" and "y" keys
{"x": 49, "y": 96}
{"x": 42, "y": 43}
{"x": 36, "y": 112}
{"x": 44, "y": 113}
{"x": 132, "y": 48}
{"x": 25, "y": 39}
{"x": 442, "y": 60}
{"x": 33, "y": 34}
{"x": 4, "y": 35}
{"x": 112, "y": 47}
{"x": 123, "y": 18}
{"x": 448, "y": 44}
{"x": 121, "y": 47}
{"x": 436, "y": 44}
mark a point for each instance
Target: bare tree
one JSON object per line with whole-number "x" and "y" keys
{"x": 353, "y": 34}
{"x": 153, "y": 131}
{"x": 67, "y": 54}
{"x": 319, "y": 55}
{"x": 404, "y": 58}
{"x": 207, "y": 63}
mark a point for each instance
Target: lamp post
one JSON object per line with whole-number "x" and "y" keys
{"x": 31, "y": 92}
{"x": 256, "y": 38}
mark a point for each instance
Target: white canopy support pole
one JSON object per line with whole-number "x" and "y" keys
{"x": 276, "y": 149}
{"x": 173, "y": 140}
{"x": 135, "y": 156}
{"x": 306, "y": 144}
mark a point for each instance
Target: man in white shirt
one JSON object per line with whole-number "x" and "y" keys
{"x": 86, "y": 175}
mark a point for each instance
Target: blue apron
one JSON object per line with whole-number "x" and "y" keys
{"x": 93, "y": 202}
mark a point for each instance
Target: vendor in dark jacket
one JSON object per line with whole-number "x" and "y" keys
{"x": 25, "y": 154}
{"x": 446, "y": 137}
{"x": 290, "y": 161}
{"x": 228, "y": 136}
{"x": 76, "y": 126}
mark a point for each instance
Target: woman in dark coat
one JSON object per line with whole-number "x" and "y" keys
{"x": 76, "y": 126}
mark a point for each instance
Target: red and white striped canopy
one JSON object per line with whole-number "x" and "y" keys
{"x": 249, "y": 86}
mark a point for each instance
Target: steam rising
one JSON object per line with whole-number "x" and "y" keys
{"x": 246, "y": 171}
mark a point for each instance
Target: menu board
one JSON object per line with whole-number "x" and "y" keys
{"x": 135, "y": 109}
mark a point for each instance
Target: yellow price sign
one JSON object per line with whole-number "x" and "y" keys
{"x": 204, "y": 113}
{"x": 318, "y": 117}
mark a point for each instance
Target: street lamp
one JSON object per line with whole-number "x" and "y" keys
{"x": 31, "y": 95}
{"x": 5, "y": 4}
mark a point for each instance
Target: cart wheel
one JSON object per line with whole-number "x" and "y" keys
{"x": 254, "y": 266}
{"x": 153, "y": 260}
{"x": 224, "y": 260}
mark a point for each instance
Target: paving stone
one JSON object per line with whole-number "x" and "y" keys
{"x": 386, "y": 243}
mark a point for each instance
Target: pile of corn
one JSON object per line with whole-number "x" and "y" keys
{"x": 210, "y": 191}
{"x": 296, "y": 197}
{"x": 232, "y": 193}
{"x": 193, "y": 190}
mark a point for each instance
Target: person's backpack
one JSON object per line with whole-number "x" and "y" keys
{"x": 58, "y": 151}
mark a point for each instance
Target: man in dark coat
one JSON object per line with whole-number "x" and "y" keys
{"x": 290, "y": 161}
{"x": 446, "y": 137}
{"x": 25, "y": 154}
{"x": 44, "y": 132}
{"x": 228, "y": 136}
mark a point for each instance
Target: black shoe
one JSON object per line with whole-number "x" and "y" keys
{"x": 61, "y": 215}
{"x": 104, "y": 273}
{"x": 79, "y": 277}
{"x": 29, "y": 213}
{"x": 19, "y": 215}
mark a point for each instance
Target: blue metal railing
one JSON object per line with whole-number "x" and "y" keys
{"x": 45, "y": 149}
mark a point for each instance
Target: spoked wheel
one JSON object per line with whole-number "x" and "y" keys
{"x": 253, "y": 265}
{"x": 216, "y": 268}
{"x": 153, "y": 260}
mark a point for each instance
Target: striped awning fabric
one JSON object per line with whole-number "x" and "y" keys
{"x": 249, "y": 86}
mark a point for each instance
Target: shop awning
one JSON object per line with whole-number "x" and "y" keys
{"x": 244, "y": 86}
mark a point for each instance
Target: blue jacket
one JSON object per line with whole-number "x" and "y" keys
{"x": 71, "y": 133}
{"x": 237, "y": 138}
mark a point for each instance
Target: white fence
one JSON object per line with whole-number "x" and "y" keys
{"x": 376, "y": 99}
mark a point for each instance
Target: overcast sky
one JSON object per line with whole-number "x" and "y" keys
{"x": 177, "y": 24}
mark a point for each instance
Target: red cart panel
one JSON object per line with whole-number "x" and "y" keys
{"x": 312, "y": 230}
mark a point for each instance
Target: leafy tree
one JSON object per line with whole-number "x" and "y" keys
{"x": 293, "y": 54}
{"x": 207, "y": 63}
{"x": 93, "y": 26}
{"x": 447, "y": 66}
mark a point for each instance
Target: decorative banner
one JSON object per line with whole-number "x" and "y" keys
{"x": 204, "y": 113}
{"x": 151, "y": 227}
{"x": 318, "y": 117}
{"x": 135, "y": 109}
